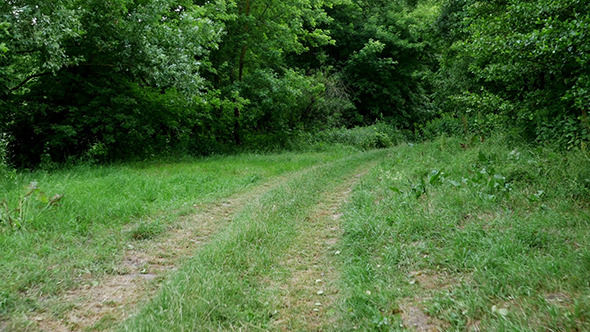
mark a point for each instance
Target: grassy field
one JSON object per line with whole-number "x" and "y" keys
{"x": 489, "y": 237}
{"x": 446, "y": 235}
{"x": 104, "y": 210}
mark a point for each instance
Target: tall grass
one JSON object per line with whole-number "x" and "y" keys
{"x": 377, "y": 136}
{"x": 491, "y": 235}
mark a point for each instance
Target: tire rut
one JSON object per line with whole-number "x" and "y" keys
{"x": 310, "y": 292}
{"x": 108, "y": 300}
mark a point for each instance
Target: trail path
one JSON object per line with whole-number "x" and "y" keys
{"x": 307, "y": 287}
{"x": 310, "y": 293}
{"x": 111, "y": 299}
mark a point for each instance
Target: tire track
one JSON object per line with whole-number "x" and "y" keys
{"x": 310, "y": 292}
{"x": 111, "y": 299}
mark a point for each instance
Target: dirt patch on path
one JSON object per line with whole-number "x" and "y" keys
{"x": 105, "y": 301}
{"x": 310, "y": 290}
{"x": 416, "y": 320}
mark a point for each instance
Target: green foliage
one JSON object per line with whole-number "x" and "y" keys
{"x": 116, "y": 81}
{"x": 382, "y": 51}
{"x": 4, "y": 167}
{"x": 564, "y": 131}
{"x": 252, "y": 64}
{"x": 521, "y": 64}
{"x": 490, "y": 184}
{"x": 278, "y": 103}
{"x": 334, "y": 108}
{"x": 3, "y": 33}
{"x": 377, "y": 136}
{"x": 445, "y": 124}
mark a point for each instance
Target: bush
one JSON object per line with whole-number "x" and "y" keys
{"x": 564, "y": 132}
{"x": 446, "y": 124}
{"x": 377, "y": 136}
{"x": 521, "y": 65}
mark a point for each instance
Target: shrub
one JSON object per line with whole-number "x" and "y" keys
{"x": 377, "y": 136}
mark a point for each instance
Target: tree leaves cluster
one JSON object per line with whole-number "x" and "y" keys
{"x": 116, "y": 79}
{"x": 100, "y": 79}
{"x": 383, "y": 48}
{"x": 517, "y": 64}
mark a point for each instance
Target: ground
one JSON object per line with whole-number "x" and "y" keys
{"x": 428, "y": 237}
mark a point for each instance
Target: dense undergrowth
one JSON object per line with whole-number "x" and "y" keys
{"x": 377, "y": 136}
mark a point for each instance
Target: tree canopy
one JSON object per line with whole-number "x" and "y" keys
{"x": 105, "y": 80}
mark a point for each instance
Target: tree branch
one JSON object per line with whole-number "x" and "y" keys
{"x": 27, "y": 81}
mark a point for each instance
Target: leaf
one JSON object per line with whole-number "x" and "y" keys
{"x": 434, "y": 177}
{"x": 396, "y": 190}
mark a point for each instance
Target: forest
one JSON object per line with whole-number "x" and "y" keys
{"x": 294, "y": 165}
{"x": 120, "y": 80}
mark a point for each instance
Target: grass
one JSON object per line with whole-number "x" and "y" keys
{"x": 224, "y": 286}
{"x": 105, "y": 208}
{"x": 495, "y": 236}
{"x": 449, "y": 234}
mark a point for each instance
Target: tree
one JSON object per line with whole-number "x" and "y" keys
{"x": 382, "y": 50}
{"x": 251, "y": 65}
{"x": 526, "y": 64}
{"x": 101, "y": 78}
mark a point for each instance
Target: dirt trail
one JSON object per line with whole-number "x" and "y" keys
{"x": 311, "y": 291}
{"x": 113, "y": 298}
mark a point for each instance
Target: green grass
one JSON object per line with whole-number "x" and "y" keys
{"x": 106, "y": 207}
{"x": 225, "y": 286}
{"x": 492, "y": 235}
{"x": 500, "y": 239}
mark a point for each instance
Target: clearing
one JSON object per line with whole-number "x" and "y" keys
{"x": 434, "y": 236}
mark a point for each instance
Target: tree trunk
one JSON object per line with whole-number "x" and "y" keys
{"x": 241, "y": 61}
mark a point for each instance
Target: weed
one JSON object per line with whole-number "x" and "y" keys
{"x": 33, "y": 203}
{"x": 420, "y": 188}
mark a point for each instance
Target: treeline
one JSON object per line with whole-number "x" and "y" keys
{"x": 104, "y": 80}
{"x": 523, "y": 66}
